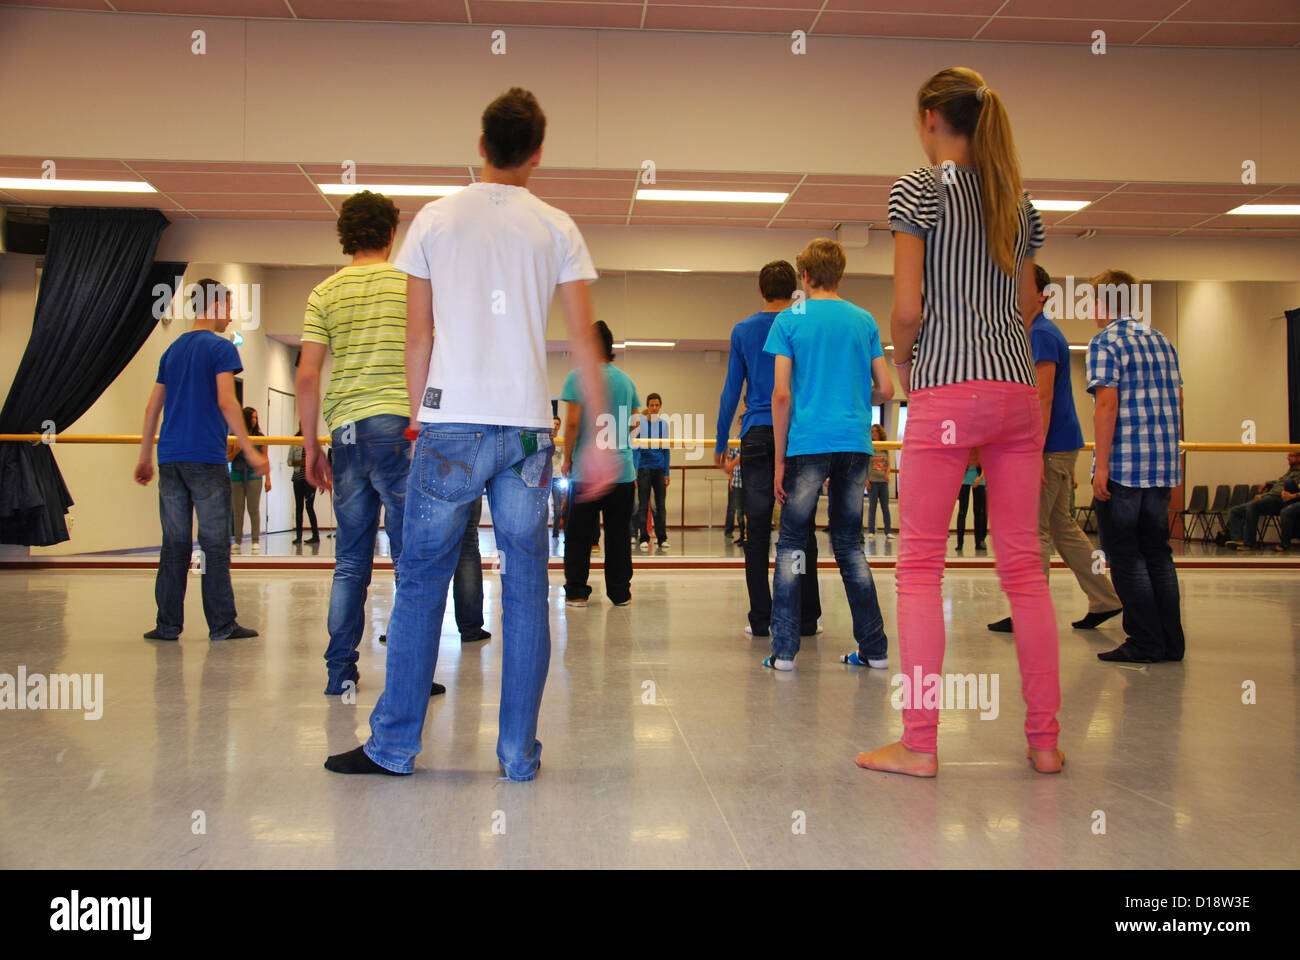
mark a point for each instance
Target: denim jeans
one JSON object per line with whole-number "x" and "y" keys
{"x": 1243, "y": 519}
{"x": 453, "y": 464}
{"x": 757, "y": 469}
{"x": 467, "y": 584}
{"x": 369, "y": 473}
{"x": 646, "y": 481}
{"x": 804, "y": 476}
{"x": 878, "y": 493}
{"x": 1134, "y": 527}
{"x": 1290, "y": 521}
{"x": 186, "y": 490}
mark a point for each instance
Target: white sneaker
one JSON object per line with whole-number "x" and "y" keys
{"x": 257, "y": 547}
{"x": 663, "y": 544}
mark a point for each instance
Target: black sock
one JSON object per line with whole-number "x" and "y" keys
{"x": 356, "y": 761}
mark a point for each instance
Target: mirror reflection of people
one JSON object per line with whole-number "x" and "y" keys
{"x": 304, "y": 494}
{"x": 246, "y": 485}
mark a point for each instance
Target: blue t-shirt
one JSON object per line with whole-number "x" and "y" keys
{"x": 831, "y": 346}
{"x": 1049, "y": 343}
{"x": 969, "y": 478}
{"x": 648, "y": 458}
{"x": 193, "y": 427}
{"x": 752, "y": 367}
{"x": 613, "y": 425}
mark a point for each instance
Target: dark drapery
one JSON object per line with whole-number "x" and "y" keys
{"x": 94, "y": 310}
{"x": 1293, "y": 371}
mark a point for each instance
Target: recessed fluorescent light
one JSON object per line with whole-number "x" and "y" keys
{"x": 711, "y": 196}
{"x": 81, "y": 186}
{"x": 650, "y": 343}
{"x": 390, "y": 189}
{"x": 1268, "y": 209}
{"x": 672, "y": 269}
{"x": 1079, "y": 347}
{"x": 1055, "y": 205}
{"x": 618, "y": 346}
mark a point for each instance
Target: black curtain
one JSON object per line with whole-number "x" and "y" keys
{"x": 94, "y": 310}
{"x": 1293, "y": 370}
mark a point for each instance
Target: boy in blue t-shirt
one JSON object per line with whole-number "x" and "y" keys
{"x": 830, "y": 369}
{"x": 612, "y": 432}
{"x": 195, "y": 395}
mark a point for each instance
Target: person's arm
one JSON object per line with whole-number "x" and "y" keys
{"x": 1105, "y": 409}
{"x": 419, "y": 341}
{"x": 307, "y": 385}
{"x": 781, "y": 420}
{"x": 882, "y": 387}
{"x": 905, "y": 318}
{"x": 1029, "y": 302}
{"x": 731, "y": 388}
{"x": 572, "y": 419}
{"x": 234, "y": 415}
{"x": 1046, "y": 385}
{"x": 152, "y": 412}
{"x": 600, "y": 468}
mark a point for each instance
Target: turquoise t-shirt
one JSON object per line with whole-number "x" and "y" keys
{"x": 612, "y": 426}
{"x": 971, "y": 474}
{"x": 831, "y": 346}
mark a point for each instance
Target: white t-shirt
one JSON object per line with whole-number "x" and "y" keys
{"x": 494, "y": 255}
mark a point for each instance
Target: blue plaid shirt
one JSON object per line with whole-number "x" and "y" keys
{"x": 1142, "y": 365}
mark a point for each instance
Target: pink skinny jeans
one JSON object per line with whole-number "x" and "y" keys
{"x": 1004, "y": 421}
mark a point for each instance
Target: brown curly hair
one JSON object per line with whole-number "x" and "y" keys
{"x": 366, "y": 222}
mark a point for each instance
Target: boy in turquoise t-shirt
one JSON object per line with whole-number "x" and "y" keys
{"x": 613, "y": 427}
{"x": 830, "y": 369}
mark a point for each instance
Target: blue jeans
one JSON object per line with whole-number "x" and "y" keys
{"x": 1134, "y": 527}
{"x": 453, "y": 464}
{"x": 804, "y": 476}
{"x": 369, "y": 472}
{"x": 878, "y": 493}
{"x": 184, "y": 491}
{"x": 467, "y": 584}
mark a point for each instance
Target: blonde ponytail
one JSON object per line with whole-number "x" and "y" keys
{"x": 971, "y": 108}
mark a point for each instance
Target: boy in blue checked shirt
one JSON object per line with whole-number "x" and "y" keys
{"x": 1134, "y": 378}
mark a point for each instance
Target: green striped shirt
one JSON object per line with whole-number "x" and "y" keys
{"x": 360, "y": 314}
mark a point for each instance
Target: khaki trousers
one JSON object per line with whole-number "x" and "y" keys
{"x": 1057, "y": 527}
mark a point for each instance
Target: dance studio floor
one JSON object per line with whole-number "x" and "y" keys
{"x": 720, "y": 770}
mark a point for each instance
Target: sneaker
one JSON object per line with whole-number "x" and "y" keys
{"x": 480, "y": 634}
{"x": 643, "y": 545}
{"x": 749, "y": 632}
{"x": 853, "y": 660}
{"x": 785, "y": 666}
{"x": 1002, "y": 626}
{"x": 575, "y": 603}
{"x": 383, "y": 638}
{"x": 437, "y": 689}
{"x": 624, "y": 603}
{"x": 257, "y": 547}
{"x": 663, "y": 544}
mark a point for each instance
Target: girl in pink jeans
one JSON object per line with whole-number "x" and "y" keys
{"x": 965, "y": 237}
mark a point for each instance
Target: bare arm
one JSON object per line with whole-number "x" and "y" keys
{"x": 1104, "y": 413}
{"x": 599, "y": 468}
{"x": 234, "y": 415}
{"x": 152, "y": 413}
{"x": 572, "y": 420}
{"x": 882, "y": 386}
{"x": 307, "y": 384}
{"x": 905, "y": 318}
{"x": 781, "y": 419}
{"x": 1029, "y": 302}
{"x": 419, "y": 341}
{"x": 1046, "y": 385}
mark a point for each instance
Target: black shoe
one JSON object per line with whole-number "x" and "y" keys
{"x": 297, "y": 541}
{"x": 437, "y": 689}
{"x": 980, "y": 548}
{"x": 1124, "y": 654}
{"x": 155, "y": 635}
{"x": 1093, "y": 620}
{"x": 241, "y": 633}
{"x": 474, "y": 638}
{"x": 356, "y": 761}
{"x": 739, "y": 543}
{"x": 314, "y": 538}
{"x": 1002, "y": 626}
{"x": 383, "y": 638}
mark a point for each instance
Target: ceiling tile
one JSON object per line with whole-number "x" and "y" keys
{"x": 369, "y": 171}
{"x": 836, "y": 212}
{"x": 60, "y": 198}
{"x": 389, "y": 11}
{"x": 1257, "y": 11}
{"x": 591, "y": 205}
{"x": 657, "y": 208}
{"x": 206, "y": 8}
{"x": 791, "y": 5}
{"x": 543, "y": 13}
{"x": 728, "y": 19}
{"x": 1221, "y": 189}
{"x": 253, "y": 201}
{"x": 1091, "y": 9}
{"x": 1091, "y": 218}
{"x": 608, "y": 189}
{"x": 232, "y": 183}
{"x": 1239, "y": 222}
{"x": 723, "y": 181}
{"x": 897, "y": 25}
{"x": 838, "y": 193}
{"x": 64, "y": 167}
{"x": 698, "y": 221}
{"x": 1065, "y": 31}
{"x": 1201, "y": 203}
{"x": 1225, "y": 34}
{"x": 976, "y": 8}
{"x": 264, "y": 215}
{"x": 210, "y": 166}
{"x": 849, "y": 180}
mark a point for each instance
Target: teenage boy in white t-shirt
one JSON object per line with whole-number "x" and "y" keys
{"x": 486, "y": 262}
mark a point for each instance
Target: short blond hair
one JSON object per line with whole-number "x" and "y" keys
{"x": 824, "y": 262}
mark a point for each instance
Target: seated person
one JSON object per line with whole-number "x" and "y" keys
{"x": 1244, "y": 518}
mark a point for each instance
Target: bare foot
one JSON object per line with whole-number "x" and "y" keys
{"x": 896, "y": 758}
{"x": 1046, "y": 761}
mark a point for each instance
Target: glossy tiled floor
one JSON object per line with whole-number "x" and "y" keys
{"x": 719, "y": 771}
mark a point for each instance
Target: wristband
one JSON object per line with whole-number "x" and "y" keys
{"x": 411, "y": 433}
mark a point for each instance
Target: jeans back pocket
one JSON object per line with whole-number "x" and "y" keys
{"x": 447, "y": 462}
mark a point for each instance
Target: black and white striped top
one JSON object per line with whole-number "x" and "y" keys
{"x": 970, "y": 314}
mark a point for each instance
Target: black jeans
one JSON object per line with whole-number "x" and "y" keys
{"x": 304, "y": 494}
{"x": 757, "y": 476}
{"x": 184, "y": 491}
{"x": 736, "y": 510}
{"x": 467, "y": 582}
{"x": 584, "y": 526}
{"x": 646, "y": 480}
{"x": 878, "y": 492}
{"x": 1134, "y": 526}
{"x": 981, "y": 513}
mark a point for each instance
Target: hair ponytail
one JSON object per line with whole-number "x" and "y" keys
{"x": 970, "y": 108}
